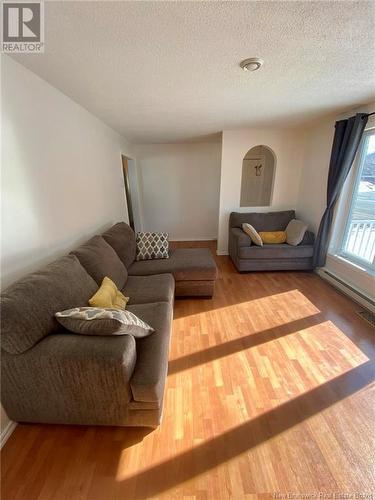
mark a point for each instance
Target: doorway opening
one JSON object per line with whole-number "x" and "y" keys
{"x": 131, "y": 192}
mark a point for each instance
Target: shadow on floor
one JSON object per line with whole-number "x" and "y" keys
{"x": 234, "y": 442}
{"x": 241, "y": 343}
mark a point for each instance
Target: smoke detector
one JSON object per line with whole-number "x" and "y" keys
{"x": 252, "y": 64}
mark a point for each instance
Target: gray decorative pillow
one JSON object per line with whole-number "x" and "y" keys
{"x": 295, "y": 231}
{"x": 152, "y": 246}
{"x": 97, "y": 321}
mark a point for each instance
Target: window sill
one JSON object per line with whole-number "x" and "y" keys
{"x": 351, "y": 273}
{"x": 345, "y": 261}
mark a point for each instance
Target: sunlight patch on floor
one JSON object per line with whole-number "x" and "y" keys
{"x": 307, "y": 365}
{"x": 313, "y": 343}
{"x": 275, "y": 305}
{"x": 231, "y": 439}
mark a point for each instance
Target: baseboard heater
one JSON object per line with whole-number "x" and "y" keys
{"x": 348, "y": 289}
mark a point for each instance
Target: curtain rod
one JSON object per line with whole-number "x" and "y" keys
{"x": 366, "y": 115}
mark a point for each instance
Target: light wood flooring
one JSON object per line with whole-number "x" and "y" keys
{"x": 270, "y": 391}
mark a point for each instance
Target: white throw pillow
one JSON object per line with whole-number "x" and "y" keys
{"x": 253, "y": 233}
{"x": 295, "y": 231}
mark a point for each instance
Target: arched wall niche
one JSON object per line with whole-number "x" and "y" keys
{"x": 258, "y": 174}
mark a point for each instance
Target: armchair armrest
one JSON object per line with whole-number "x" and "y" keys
{"x": 237, "y": 239}
{"x": 242, "y": 239}
{"x": 71, "y": 379}
{"x": 308, "y": 238}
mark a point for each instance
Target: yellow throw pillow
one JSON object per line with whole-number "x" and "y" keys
{"x": 271, "y": 237}
{"x": 108, "y": 295}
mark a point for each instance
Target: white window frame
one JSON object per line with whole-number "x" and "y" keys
{"x": 343, "y": 211}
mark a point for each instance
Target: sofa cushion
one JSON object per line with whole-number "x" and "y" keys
{"x": 184, "y": 263}
{"x": 145, "y": 289}
{"x": 121, "y": 237}
{"x": 269, "y": 221}
{"x": 277, "y": 251}
{"x": 148, "y": 380}
{"x": 28, "y": 306}
{"x": 100, "y": 260}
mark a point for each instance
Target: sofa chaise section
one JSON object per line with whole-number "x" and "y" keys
{"x": 148, "y": 289}
{"x": 193, "y": 269}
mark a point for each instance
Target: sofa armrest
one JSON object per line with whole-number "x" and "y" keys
{"x": 70, "y": 379}
{"x": 240, "y": 237}
{"x": 237, "y": 239}
{"x": 150, "y": 373}
{"x": 308, "y": 238}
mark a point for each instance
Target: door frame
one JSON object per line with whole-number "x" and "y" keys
{"x": 125, "y": 171}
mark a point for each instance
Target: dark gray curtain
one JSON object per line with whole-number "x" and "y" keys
{"x": 348, "y": 134}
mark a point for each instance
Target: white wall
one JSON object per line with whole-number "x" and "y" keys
{"x": 61, "y": 174}
{"x": 287, "y": 144}
{"x": 312, "y": 198}
{"x": 180, "y": 189}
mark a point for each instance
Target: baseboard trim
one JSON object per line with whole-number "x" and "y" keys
{"x": 348, "y": 289}
{"x": 192, "y": 239}
{"x": 5, "y": 435}
{"x": 221, "y": 252}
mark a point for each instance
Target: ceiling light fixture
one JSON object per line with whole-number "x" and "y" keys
{"x": 251, "y": 64}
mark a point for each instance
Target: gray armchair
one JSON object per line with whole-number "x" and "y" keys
{"x": 276, "y": 257}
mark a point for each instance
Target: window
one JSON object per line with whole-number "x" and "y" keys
{"x": 358, "y": 241}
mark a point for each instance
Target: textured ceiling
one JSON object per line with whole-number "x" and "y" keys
{"x": 168, "y": 71}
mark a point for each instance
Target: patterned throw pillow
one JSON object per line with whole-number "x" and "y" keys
{"x": 152, "y": 246}
{"x": 97, "y": 321}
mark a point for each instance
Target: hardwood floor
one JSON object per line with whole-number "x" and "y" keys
{"x": 270, "y": 390}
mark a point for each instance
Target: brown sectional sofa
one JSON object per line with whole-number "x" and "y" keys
{"x": 50, "y": 375}
{"x": 249, "y": 257}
